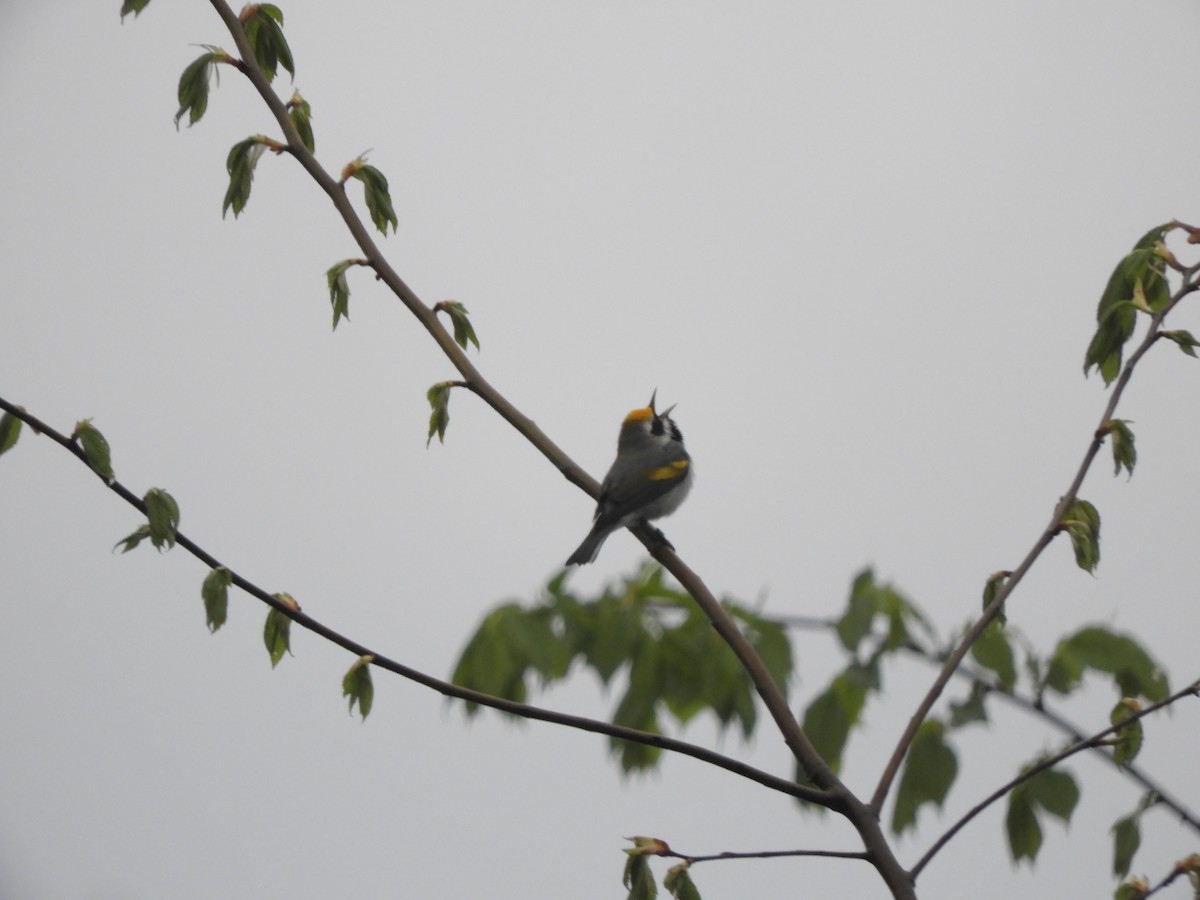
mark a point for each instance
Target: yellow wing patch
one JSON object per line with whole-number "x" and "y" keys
{"x": 669, "y": 471}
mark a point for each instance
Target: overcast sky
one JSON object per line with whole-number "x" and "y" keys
{"x": 860, "y": 244}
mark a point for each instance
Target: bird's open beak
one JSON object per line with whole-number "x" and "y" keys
{"x": 652, "y": 396}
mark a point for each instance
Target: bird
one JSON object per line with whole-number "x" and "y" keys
{"x": 650, "y": 477}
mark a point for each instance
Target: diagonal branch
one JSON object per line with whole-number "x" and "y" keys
{"x": 833, "y": 793}
{"x": 1049, "y": 762}
{"x": 772, "y": 696}
{"x": 443, "y": 687}
{"x": 993, "y": 609}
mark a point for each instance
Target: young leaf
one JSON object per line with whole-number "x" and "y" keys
{"x": 276, "y": 632}
{"x": 1136, "y": 282}
{"x": 1130, "y": 736}
{"x": 300, "y": 113}
{"x": 993, "y": 651}
{"x": 679, "y": 883}
{"x": 1048, "y": 791}
{"x": 992, "y": 587}
{"x": 464, "y": 333}
{"x": 638, "y": 879}
{"x": 357, "y": 686}
{"x": 1082, "y": 523}
{"x": 215, "y": 592}
{"x": 263, "y": 25}
{"x": 1184, "y": 340}
{"x": 1127, "y": 835}
{"x": 142, "y": 532}
{"x": 1123, "y": 451}
{"x": 439, "y": 399}
{"x": 240, "y": 163}
{"x": 10, "y": 430}
{"x": 929, "y": 769}
{"x": 1127, "y": 838}
{"x": 193, "y": 85}
{"x": 375, "y": 192}
{"x": 1134, "y": 889}
{"x": 1021, "y": 826}
{"x": 1134, "y": 672}
{"x": 133, "y": 6}
{"x": 339, "y": 290}
{"x": 95, "y": 448}
{"x": 972, "y": 709}
{"x": 829, "y": 718}
{"x": 163, "y": 513}
{"x": 647, "y": 846}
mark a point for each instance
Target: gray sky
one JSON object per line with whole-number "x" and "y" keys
{"x": 861, "y": 246}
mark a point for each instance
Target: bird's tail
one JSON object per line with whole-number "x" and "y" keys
{"x": 590, "y": 547}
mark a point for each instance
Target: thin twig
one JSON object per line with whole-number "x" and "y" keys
{"x": 766, "y": 854}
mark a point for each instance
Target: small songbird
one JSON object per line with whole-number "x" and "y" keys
{"x": 650, "y": 477}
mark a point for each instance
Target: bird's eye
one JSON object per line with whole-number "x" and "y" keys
{"x": 656, "y": 425}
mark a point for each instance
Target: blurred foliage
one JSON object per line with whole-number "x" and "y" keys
{"x": 650, "y": 643}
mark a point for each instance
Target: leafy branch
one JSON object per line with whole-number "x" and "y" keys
{"x": 1084, "y": 536}
{"x": 283, "y": 606}
{"x": 832, "y": 792}
{"x": 1044, "y": 765}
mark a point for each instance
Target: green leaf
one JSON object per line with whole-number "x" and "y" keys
{"x": 1138, "y": 281}
{"x": 95, "y": 448}
{"x": 1127, "y": 835}
{"x": 263, "y": 24}
{"x": 1134, "y": 889}
{"x": 464, "y": 333}
{"x": 993, "y": 652}
{"x": 193, "y": 85}
{"x": 1123, "y": 451}
{"x": 300, "y": 112}
{"x": 1130, "y": 736}
{"x": 929, "y": 769}
{"x": 439, "y": 418}
{"x": 1127, "y": 838}
{"x": 1082, "y": 524}
{"x": 163, "y": 513}
{"x": 1055, "y": 792}
{"x": 861, "y": 607}
{"x": 277, "y": 631}
{"x": 1183, "y": 340}
{"x": 375, "y": 192}
{"x": 638, "y": 879}
{"x": 638, "y": 709}
{"x": 339, "y": 290}
{"x": 240, "y": 163}
{"x": 133, "y": 6}
{"x": 830, "y": 717}
{"x": 679, "y": 883}
{"x": 215, "y": 593}
{"x": 10, "y": 430}
{"x": 1134, "y": 672}
{"x": 357, "y": 686}
{"x": 1021, "y": 825}
{"x": 991, "y": 589}
{"x": 1048, "y": 791}
{"x": 970, "y": 710}
{"x": 134, "y": 539}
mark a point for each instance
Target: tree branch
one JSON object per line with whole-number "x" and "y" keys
{"x": 442, "y": 687}
{"x": 993, "y": 609}
{"x": 1191, "y": 690}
